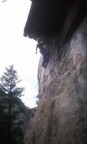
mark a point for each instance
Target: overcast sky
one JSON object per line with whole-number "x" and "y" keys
{"x": 17, "y": 49}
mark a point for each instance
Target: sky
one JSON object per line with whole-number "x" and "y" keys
{"x": 17, "y": 50}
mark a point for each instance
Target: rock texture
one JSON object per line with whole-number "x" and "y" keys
{"x": 47, "y": 17}
{"x": 61, "y": 116}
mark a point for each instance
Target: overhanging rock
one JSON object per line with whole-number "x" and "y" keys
{"x": 47, "y": 17}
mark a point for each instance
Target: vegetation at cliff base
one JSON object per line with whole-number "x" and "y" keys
{"x": 12, "y": 111}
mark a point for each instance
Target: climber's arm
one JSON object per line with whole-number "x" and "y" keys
{"x": 36, "y": 48}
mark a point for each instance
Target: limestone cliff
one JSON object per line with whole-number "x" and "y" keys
{"x": 61, "y": 116}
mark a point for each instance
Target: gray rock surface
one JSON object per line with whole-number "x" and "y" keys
{"x": 61, "y": 116}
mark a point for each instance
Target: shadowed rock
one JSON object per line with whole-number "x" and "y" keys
{"x": 61, "y": 116}
{"x": 47, "y": 17}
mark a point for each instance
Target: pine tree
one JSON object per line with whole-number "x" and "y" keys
{"x": 3, "y": 120}
{"x": 10, "y": 101}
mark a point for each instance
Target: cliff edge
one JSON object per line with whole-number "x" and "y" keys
{"x": 61, "y": 116}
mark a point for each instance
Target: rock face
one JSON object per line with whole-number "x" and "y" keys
{"x": 61, "y": 116}
{"x": 47, "y": 17}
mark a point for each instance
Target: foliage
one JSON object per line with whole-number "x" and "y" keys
{"x": 11, "y": 108}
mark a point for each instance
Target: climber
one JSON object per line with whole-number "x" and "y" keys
{"x": 44, "y": 52}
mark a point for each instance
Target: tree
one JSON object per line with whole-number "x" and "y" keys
{"x": 10, "y": 95}
{"x": 3, "y": 120}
